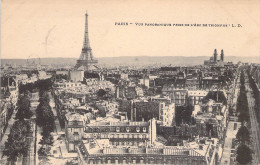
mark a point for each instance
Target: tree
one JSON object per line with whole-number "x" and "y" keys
{"x": 42, "y": 152}
{"x": 42, "y": 108}
{"x": 16, "y": 144}
{"x": 101, "y": 93}
{"x": 47, "y": 139}
{"x": 183, "y": 113}
{"x": 102, "y": 112}
{"x": 217, "y": 96}
{"x": 10, "y": 111}
{"x": 49, "y": 120}
{"x": 89, "y": 75}
{"x": 59, "y": 77}
{"x": 44, "y": 96}
{"x": 24, "y": 101}
{"x": 45, "y": 117}
{"x": 243, "y": 135}
{"x": 44, "y": 114}
{"x": 178, "y": 114}
{"x": 23, "y": 114}
{"x": 231, "y": 111}
{"x": 244, "y": 154}
{"x": 24, "y": 105}
{"x": 44, "y": 85}
{"x": 216, "y": 158}
{"x": 7, "y": 92}
{"x": 242, "y": 103}
{"x": 243, "y": 116}
{"x": 242, "y": 78}
{"x": 110, "y": 95}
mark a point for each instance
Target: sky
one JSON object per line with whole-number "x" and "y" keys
{"x": 55, "y": 28}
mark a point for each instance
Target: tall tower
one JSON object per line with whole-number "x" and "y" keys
{"x": 222, "y": 55}
{"x": 86, "y": 58}
{"x": 215, "y": 55}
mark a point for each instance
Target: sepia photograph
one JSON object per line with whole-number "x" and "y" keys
{"x": 130, "y": 82}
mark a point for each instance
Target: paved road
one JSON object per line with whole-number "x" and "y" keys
{"x": 255, "y": 134}
{"x": 57, "y": 122}
{"x": 30, "y": 159}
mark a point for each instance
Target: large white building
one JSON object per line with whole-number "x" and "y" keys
{"x": 167, "y": 113}
{"x": 76, "y": 75}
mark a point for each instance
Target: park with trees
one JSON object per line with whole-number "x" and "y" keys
{"x": 44, "y": 115}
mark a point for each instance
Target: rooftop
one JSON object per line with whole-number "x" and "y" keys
{"x": 102, "y": 147}
{"x": 202, "y": 147}
{"x": 74, "y": 116}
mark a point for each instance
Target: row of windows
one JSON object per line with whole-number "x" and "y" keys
{"x": 70, "y": 85}
{"x": 118, "y": 129}
{"x": 117, "y": 136}
{"x": 128, "y": 129}
{"x": 126, "y": 143}
{"x": 178, "y": 97}
{"x": 147, "y": 161}
{"x": 204, "y": 93}
{"x": 127, "y": 136}
{"x": 196, "y": 98}
{"x": 75, "y": 129}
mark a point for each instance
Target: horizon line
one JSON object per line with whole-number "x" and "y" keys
{"x": 119, "y": 56}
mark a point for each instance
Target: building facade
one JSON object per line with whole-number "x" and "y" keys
{"x": 74, "y": 125}
{"x": 196, "y": 96}
{"x": 178, "y": 96}
{"x": 123, "y": 133}
{"x": 167, "y": 114}
{"x": 76, "y": 75}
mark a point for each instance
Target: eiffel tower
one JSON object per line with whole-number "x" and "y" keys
{"x": 86, "y": 58}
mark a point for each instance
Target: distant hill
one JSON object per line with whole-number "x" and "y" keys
{"x": 133, "y": 60}
{"x": 43, "y": 61}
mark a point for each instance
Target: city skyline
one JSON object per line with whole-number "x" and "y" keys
{"x": 130, "y": 82}
{"x": 49, "y": 29}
